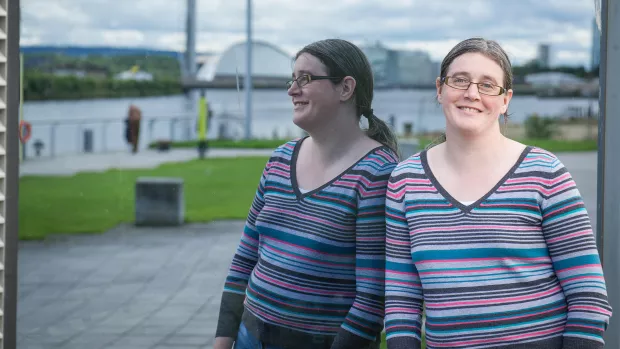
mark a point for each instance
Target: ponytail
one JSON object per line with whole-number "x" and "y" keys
{"x": 380, "y": 131}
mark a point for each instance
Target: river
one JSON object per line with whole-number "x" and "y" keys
{"x": 271, "y": 116}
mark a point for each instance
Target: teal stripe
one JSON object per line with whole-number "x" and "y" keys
{"x": 555, "y": 217}
{"x": 480, "y": 253}
{"x": 337, "y": 264}
{"x": 577, "y": 261}
{"x": 302, "y": 241}
{"x": 488, "y": 279}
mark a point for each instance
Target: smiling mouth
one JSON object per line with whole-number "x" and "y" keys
{"x": 299, "y": 103}
{"x": 469, "y": 109}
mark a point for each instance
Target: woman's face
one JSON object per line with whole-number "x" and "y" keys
{"x": 469, "y": 111}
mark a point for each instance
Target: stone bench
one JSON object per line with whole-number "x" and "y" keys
{"x": 160, "y": 201}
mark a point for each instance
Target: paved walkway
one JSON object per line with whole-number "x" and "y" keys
{"x": 131, "y": 288}
{"x": 144, "y": 288}
{"x": 69, "y": 165}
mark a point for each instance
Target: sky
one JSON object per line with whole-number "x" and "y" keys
{"x": 430, "y": 25}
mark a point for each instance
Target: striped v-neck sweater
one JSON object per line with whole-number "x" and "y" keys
{"x": 309, "y": 270}
{"x": 518, "y": 268}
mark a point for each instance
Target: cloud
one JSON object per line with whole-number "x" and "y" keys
{"x": 434, "y": 26}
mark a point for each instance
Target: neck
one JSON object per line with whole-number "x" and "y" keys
{"x": 330, "y": 141}
{"x": 467, "y": 152}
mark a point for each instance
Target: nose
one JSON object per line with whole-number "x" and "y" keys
{"x": 294, "y": 89}
{"x": 472, "y": 92}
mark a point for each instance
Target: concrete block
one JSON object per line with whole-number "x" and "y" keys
{"x": 160, "y": 201}
{"x": 407, "y": 148}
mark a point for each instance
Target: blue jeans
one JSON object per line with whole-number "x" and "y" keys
{"x": 245, "y": 340}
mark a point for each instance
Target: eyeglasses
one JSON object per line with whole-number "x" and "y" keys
{"x": 306, "y": 79}
{"x": 484, "y": 88}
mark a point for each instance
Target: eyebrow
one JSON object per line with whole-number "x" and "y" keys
{"x": 302, "y": 72}
{"x": 487, "y": 77}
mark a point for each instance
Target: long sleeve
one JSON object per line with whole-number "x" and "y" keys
{"x": 364, "y": 322}
{"x": 403, "y": 289}
{"x": 246, "y": 257}
{"x": 572, "y": 248}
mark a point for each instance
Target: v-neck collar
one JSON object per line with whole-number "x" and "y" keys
{"x": 455, "y": 202}
{"x": 293, "y": 170}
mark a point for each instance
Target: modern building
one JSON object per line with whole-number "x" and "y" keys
{"x": 544, "y": 57}
{"x": 400, "y": 68}
{"x": 268, "y": 62}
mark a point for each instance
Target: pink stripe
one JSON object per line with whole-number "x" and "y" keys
{"x": 396, "y": 242}
{"x": 480, "y": 271}
{"x": 570, "y": 236}
{"x": 302, "y": 289}
{"x": 430, "y": 322}
{"x": 568, "y": 280}
{"x": 497, "y": 340}
{"x": 290, "y": 323}
{"x": 477, "y": 227}
{"x": 561, "y": 209}
{"x": 299, "y": 247}
{"x": 390, "y": 310}
{"x": 330, "y": 198}
{"x": 547, "y": 182}
{"x": 301, "y": 258}
{"x": 495, "y": 300}
{"x": 590, "y": 308}
{"x": 502, "y": 259}
{"x": 296, "y": 306}
{"x": 279, "y": 172}
{"x": 304, "y": 216}
{"x": 596, "y": 266}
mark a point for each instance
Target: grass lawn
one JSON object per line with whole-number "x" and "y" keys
{"x": 223, "y": 143}
{"x": 551, "y": 145}
{"x": 96, "y": 202}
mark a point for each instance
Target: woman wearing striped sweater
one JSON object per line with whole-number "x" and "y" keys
{"x": 490, "y": 235}
{"x": 309, "y": 270}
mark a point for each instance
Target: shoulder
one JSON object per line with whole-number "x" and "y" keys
{"x": 283, "y": 153}
{"x": 411, "y": 166}
{"x": 539, "y": 161}
{"x": 379, "y": 162}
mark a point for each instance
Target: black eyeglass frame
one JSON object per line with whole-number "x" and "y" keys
{"x": 446, "y": 79}
{"x": 310, "y": 78}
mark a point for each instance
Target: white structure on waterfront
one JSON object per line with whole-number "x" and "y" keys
{"x": 268, "y": 61}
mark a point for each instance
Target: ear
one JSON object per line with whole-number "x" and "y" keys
{"x": 348, "y": 88}
{"x": 507, "y": 98}
{"x": 438, "y": 87}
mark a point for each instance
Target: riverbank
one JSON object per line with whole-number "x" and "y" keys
{"x": 515, "y": 132}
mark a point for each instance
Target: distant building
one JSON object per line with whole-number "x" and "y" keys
{"x": 134, "y": 75}
{"x": 553, "y": 79}
{"x": 400, "y": 67}
{"x": 543, "y": 58}
{"x": 595, "y": 55}
{"x": 268, "y": 61}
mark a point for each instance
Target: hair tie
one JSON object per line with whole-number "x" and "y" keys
{"x": 368, "y": 113}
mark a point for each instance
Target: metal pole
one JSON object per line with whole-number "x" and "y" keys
{"x": 10, "y": 47}
{"x": 247, "y": 83}
{"x": 190, "y": 50}
{"x": 608, "y": 235}
{"x": 53, "y": 140}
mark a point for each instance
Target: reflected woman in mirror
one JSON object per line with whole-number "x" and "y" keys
{"x": 309, "y": 270}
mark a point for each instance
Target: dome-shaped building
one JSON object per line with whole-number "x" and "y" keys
{"x": 268, "y": 62}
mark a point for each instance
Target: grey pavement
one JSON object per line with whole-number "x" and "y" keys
{"x": 128, "y": 288}
{"x": 147, "y": 287}
{"x": 71, "y": 164}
